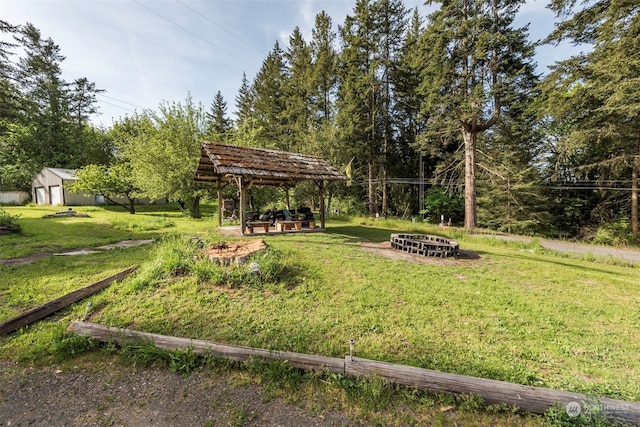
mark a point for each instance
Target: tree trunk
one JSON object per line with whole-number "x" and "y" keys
{"x": 195, "y": 213}
{"x": 373, "y": 208}
{"x": 634, "y": 196}
{"x": 385, "y": 195}
{"x": 132, "y": 208}
{"x": 288, "y": 199}
{"x": 469, "y": 137}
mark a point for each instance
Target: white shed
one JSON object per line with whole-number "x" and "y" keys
{"x": 48, "y": 188}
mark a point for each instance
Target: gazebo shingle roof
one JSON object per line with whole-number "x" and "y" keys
{"x": 221, "y": 162}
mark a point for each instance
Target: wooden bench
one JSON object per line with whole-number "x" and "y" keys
{"x": 288, "y": 225}
{"x": 253, "y": 224}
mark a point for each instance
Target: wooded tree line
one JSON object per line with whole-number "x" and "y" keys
{"x": 452, "y": 97}
{"x": 44, "y": 120}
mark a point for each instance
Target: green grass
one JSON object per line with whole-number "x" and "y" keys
{"x": 103, "y": 226}
{"x": 516, "y": 314}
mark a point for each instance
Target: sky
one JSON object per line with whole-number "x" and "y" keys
{"x": 144, "y": 52}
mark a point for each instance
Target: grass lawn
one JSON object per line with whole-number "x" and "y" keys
{"x": 514, "y": 312}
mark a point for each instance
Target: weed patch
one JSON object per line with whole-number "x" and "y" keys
{"x": 145, "y": 224}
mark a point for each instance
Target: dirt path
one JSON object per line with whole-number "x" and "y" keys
{"x": 133, "y": 397}
{"x": 80, "y": 251}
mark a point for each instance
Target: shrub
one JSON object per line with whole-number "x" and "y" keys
{"x": 614, "y": 234}
{"x": 439, "y": 202}
{"x": 8, "y": 221}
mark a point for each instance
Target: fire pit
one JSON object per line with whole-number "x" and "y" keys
{"x": 234, "y": 252}
{"x": 424, "y": 244}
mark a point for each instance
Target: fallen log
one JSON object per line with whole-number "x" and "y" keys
{"x": 231, "y": 352}
{"x": 44, "y": 310}
{"x": 533, "y": 399}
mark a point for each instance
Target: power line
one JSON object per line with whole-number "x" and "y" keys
{"x": 569, "y": 187}
{"x": 119, "y": 106}
{"x": 120, "y": 100}
{"x": 221, "y": 27}
{"x": 191, "y": 32}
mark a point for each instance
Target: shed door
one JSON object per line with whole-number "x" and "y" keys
{"x": 40, "y": 196}
{"x": 55, "y": 195}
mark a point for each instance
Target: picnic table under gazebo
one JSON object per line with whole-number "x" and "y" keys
{"x": 246, "y": 167}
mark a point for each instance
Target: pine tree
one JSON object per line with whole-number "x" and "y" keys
{"x": 358, "y": 103}
{"x": 324, "y": 63}
{"x": 390, "y": 17}
{"x": 268, "y": 88}
{"x": 475, "y": 63}
{"x": 47, "y": 96}
{"x": 297, "y": 90}
{"x": 510, "y": 192}
{"x": 10, "y": 97}
{"x": 218, "y": 124}
{"x": 600, "y": 93}
{"x": 244, "y": 101}
{"x": 409, "y": 161}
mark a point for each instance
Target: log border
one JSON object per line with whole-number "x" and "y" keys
{"x": 532, "y": 399}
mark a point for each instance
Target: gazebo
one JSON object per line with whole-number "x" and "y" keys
{"x": 246, "y": 167}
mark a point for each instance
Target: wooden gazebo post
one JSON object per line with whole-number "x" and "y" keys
{"x": 321, "y": 188}
{"x": 219, "y": 203}
{"x": 243, "y": 223}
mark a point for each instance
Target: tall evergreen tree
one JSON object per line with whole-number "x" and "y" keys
{"x": 9, "y": 92}
{"x": 409, "y": 161}
{"x": 296, "y": 115}
{"x": 218, "y": 123}
{"x": 47, "y": 96}
{"x": 511, "y": 197}
{"x": 268, "y": 87}
{"x": 475, "y": 62}
{"x": 390, "y": 17}
{"x": 324, "y": 63}
{"x": 358, "y": 103}
{"x": 247, "y": 130}
{"x": 600, "y": 92}
{"x": 244, "y": 101}
{"x": 44, "y": 121}
{"x": 81, "y": 106}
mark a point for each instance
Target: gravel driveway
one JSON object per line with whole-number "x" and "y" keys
{"x": 630, "y": 255}
{"x": 129, "y": 396}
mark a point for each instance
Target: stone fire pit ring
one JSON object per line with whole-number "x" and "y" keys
{"x": 425, "y": 244}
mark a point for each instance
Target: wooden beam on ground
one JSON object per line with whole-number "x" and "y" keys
{"x": 231, "y": 352}
{"x": 44, "y": 310}
{"x": 532, "y": 399}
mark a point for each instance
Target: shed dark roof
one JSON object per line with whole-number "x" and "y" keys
{"x": 221, "y": 162}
